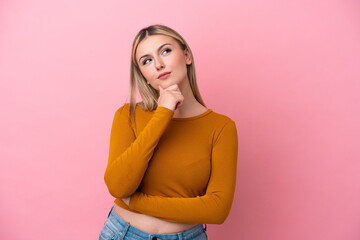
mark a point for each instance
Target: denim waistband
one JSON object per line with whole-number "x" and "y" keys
{"x": 127, "y": 228}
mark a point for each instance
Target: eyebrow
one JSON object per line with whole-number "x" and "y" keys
{"x": 158, "y": 50}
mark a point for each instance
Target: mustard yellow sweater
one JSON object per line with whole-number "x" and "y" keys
{"x": 175, "y": 169}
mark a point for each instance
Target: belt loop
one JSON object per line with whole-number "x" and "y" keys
{"x": 205, "y": 227}
{"x": 123, "y": 232}
{"x": 110, "y": 211}
{"x": 180, "y": 235}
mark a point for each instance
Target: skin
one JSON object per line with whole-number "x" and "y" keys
{"x": 170, "y": 58}
{"x": 173, "y": 61}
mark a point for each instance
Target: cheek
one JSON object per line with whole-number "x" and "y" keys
{"x": 146, "y": 73}
{"x": 179, "y": 60}
{"x": 178, "y": 63}
{"x": 181, "y": 64}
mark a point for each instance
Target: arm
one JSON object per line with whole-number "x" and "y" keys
{"x": 129, "y": 156}
{"x": 215, "y": 205}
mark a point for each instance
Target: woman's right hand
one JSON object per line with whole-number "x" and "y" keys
{"x": 170, "y": 97}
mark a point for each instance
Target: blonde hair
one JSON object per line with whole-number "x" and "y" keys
{"x": 149, "y": 94}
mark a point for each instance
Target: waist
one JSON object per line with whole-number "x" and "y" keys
{"x": 151, "y": 224}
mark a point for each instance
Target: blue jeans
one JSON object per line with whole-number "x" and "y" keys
{"x": 116, "y": 228}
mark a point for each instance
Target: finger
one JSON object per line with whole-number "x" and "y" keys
{"x": 177, "y": 105}
{"x": 176, "y": 91}
{"x": 172, "y": 87}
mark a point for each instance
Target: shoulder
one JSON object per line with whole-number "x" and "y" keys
{"x": 125, "y": 108}
{"x": 224, "y": 127}
{"x": 221, "y": 119}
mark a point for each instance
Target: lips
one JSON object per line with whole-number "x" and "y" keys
{"x": 164, "y": 75}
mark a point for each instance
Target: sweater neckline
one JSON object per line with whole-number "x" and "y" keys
{"x": 193, "y": 117}
{"x": 186, "y": 118}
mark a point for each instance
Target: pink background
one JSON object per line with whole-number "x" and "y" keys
{"x": 287, "y": 72}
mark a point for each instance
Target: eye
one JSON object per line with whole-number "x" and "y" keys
{"x": 167, "y": 49}
{"x": 144, "y": 62}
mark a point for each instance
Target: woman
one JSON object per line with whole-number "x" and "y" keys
{"x": 172, "y": 161}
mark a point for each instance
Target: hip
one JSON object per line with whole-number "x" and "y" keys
{"x": 150, "y": 224}
{"x": 141, "y": 227}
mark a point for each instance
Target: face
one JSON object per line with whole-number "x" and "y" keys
{"x": 158, "y": 54}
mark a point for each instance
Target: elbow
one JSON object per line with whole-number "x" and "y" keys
{"x": 220, "y": 219}
{"x": 222, "y": 214}
{"x": 116, "y": 194}
{"x": 114, "y": 189}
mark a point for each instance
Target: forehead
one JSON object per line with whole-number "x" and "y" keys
{"x": 152, "y": 43}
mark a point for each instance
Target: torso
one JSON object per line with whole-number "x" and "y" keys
{"x": 151, "y": 224}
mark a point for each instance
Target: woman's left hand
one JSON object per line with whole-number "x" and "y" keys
{"x": 126, "y": 200}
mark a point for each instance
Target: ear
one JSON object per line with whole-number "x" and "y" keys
{"x": 187, "y": 57}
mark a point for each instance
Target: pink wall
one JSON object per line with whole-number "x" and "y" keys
{"x": 286, "y": 71}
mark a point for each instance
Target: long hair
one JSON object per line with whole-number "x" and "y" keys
{"x": 149, "y": 94}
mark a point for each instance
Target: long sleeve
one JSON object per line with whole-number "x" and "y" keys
{"x": 215, "y": 205}
{"x": 129, "y": 155}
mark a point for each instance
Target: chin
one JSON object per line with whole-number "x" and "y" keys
{"x": 166, "y": 83}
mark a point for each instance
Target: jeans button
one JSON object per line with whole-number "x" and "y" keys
{"x": 154, "y": 238}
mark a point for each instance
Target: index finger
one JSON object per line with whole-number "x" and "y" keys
{"x": 172, "y": 87}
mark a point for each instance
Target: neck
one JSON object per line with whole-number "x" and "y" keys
{"x": 190, "y": 105}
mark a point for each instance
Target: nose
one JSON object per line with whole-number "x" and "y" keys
{"x": 159, "y": 64}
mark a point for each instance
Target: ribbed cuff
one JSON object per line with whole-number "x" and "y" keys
{"x": 164, "y": 110}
